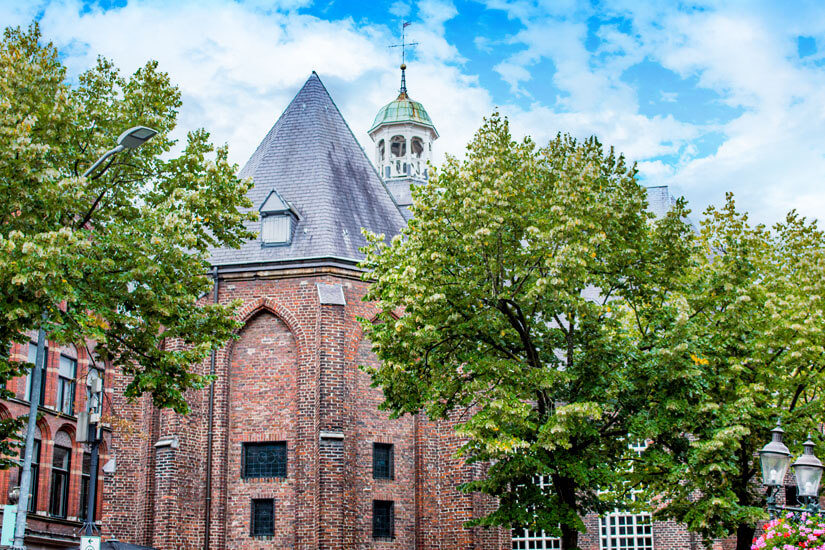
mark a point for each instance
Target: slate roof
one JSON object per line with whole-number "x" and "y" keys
{"x": 313, "y": 161}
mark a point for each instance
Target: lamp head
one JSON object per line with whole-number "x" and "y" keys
{"x": 775, "y": 459}
{"x": 808, "y": 471}
{"x": 135, "y": 137}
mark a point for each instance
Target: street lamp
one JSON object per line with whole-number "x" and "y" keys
{"x": 808, "y": 472}
{"x": 775, "y": 459}
{"x": 130, "y": 139}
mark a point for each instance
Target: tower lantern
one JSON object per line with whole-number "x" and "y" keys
{"x": 403, "y": 134}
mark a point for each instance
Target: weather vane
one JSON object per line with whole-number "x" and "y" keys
{"x": 404, "y": 45}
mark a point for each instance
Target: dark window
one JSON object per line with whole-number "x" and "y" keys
{"x": 85, "y": 477}
{"x": 65, "y": 384}
{"x": 31, "y": 359}
{"x": 791, "y": 495}
{"x": 262, "y": 460}
{"x": 60, "y": 481}
{"x": 263, "y": 517}
{"x": 382, "y": 461}
{"x": 35, "y": 475}
{"x": 383, "y": 519}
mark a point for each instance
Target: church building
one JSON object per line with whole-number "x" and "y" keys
{"x": 288, "y": 448}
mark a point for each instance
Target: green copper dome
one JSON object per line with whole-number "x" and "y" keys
{"x": 403, "y": 109}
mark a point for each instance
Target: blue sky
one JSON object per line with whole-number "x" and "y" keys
{"x": 707, "y": 97}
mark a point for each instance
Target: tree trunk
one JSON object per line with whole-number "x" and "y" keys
{"x": 570, "y": 538}
{"x": 744, "y": 536}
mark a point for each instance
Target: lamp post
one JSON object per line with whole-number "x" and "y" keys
{"x": 130, "y": 139}
{"x": 775, "y": 459}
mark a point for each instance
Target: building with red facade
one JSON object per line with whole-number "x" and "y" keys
{"x": 288, "y": 448}
{"x": 60, "y": 466}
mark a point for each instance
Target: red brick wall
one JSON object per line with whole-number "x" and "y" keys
{"x": 292, "y": 376}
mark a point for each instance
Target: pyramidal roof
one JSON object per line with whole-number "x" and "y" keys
{"x": 312, "y": 160}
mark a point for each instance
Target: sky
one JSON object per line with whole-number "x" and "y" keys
{"x": 707, "y": 97}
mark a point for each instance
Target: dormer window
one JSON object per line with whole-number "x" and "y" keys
{"x": 277, "y": 217}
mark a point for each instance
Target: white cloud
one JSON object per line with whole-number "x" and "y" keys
{"x": 242, "y": 65}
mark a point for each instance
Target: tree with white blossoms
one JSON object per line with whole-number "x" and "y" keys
{"x": 118, "y": 258}
{"x": 751, "y": 330}
{"x": 532, "y": 285}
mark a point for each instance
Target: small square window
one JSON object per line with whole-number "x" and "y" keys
{"x": 264, "y": 460}
{"x": 263, "y": 517}
{"x": 382, "y": 461}
{"x": 383, "y": 519}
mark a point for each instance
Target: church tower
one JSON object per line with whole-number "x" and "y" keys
{"x": 403, "y": 135}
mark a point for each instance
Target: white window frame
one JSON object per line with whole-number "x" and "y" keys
{"x": 632, "y": 531}
{"x": 523, "y": 539}
{"x": 271, "y": 234}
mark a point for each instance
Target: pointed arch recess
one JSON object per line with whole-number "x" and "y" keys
{"x": 249, "y": 310}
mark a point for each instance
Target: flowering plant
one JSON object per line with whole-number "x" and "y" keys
{"x": 788, "y": 533}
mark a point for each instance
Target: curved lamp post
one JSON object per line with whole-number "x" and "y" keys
{"x": 775, "y": 458}
{"x": 130, "y": 139}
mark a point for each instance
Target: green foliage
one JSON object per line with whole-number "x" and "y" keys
{"x": 751, "y": 328}
{"x": 531, "y": 284}
{"x": 118, "y": 258}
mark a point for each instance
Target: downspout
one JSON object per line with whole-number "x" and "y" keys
{"x": 210, "y": 431}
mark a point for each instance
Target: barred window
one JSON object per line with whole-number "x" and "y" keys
{"x": 383, "y": 519}
{"x": 626, "y": 531}
{"x": 263, "y": 517}
{"x": 264, "y": 460}
{"x": 382, "y": 461}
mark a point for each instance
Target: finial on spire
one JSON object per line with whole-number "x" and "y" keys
{"x": 403, "y": 45}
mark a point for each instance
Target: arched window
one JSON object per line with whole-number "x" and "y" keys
{"x": 417, "y": 147}
{"x": 398, "y": 146}
{"x": 61, "y": 466}
{"x": 381, "y": 150}
{"x": 35, "y": 472}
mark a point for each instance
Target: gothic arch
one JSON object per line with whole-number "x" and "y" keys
{"x": 251, "y": 309}
{"x": 4, "y": 412}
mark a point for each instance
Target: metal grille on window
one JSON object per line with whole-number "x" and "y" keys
{"x": 383, "y": 519}
{"x": 625, "y": 531}
{"x": 524, "y": 539}
{"x": 60, "y": 481}
{"x": 275, "y": 229}
{"x": 263, "y": 517}
{"x": 32, "y": 356}
{"x": 65, "y": 384}
{"x": 382, "y": 461}
{"x": 264, "y": 460}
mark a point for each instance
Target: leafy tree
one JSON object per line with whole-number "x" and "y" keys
{"x": 751, "y": 329}
{"x": 517, "y": 280}
{"x": 120, "y": 257}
